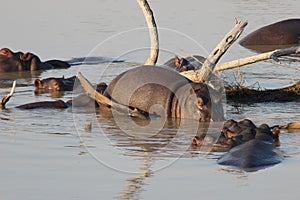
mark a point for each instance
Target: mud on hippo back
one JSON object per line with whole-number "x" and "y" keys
{"x": 19, "y": 61}
{"x": 162, "y": 91}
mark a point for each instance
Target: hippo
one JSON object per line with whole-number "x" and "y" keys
{"x": 248, "y": 147}
{"x": 278, "y": 35}
{"x": 56, "y": 84}
{"x": 252, "y": 155}
{"x": 185, "y": 64}
{"x": 79, "y": 101}
{"x": 19, "y": 61}
{"x": 234, "y": 133}
{"x": 145, "y": 87}
{"x": 252, "y": 147}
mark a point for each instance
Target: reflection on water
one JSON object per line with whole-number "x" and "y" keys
{"x": 135, "y": 185}
{"x": 240, "y": 174}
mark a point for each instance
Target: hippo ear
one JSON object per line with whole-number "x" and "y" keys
{"x": 196, "y": 141}
{"x": 176, "y": 61}
{"x": 38, "y": 83}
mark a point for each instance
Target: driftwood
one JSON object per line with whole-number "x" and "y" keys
{"x": 242, "y": 94}
{"x": 205, "y": 72}
{"x": 7, "y": 97}
{"x": 260, "y": 57}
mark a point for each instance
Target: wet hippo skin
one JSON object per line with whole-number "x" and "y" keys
{"x": 252, "y": 154}
{"x": 281, "y": 34}
{"x": 18, "y": 61}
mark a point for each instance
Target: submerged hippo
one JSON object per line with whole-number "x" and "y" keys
{"x": 55, "y": 84}
{"x": 249, "y": 147}
{"x": 185, "y": 64}
{"x": 79, "y": 101}
{"x": 19, "y": 61}
{"x": 252, "y": 155}
{"x": 164, "y": 92}
{"x": 252, "y": 147}
{"x": 281, "y": 34}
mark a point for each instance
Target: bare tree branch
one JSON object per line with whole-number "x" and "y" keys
{"x": 205, "y": 72}
{"x": 148, "y": 14}
{"x": 260, "y": 57}
{"x": 7, "y": 97}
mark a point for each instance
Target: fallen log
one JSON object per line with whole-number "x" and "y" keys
{"x": 242, "y": 94}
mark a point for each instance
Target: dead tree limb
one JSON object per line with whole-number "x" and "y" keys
{"x": 205, "y": 72}
{"x": 7, "y": 97}
{"x": 260, "y": 57}
{"x": 148, "y": 14}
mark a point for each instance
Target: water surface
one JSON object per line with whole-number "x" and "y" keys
{"x": 49, "y": 154}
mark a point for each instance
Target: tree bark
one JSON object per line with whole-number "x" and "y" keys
{"x": 148, "y": 14}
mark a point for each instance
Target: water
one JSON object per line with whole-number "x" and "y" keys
{"x": 48, "y": 154}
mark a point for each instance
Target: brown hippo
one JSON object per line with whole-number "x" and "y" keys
{"x": 235, "y": 133}
{"x": 19, "y": 61}
{"x": 56, "y": 84}
{"x": 145, "y": 87}
{"x": 249, "y": 147}
{"x": 281, "y": 34}
{"x": 185, "y": 64}
{"x": 252, "y": 147}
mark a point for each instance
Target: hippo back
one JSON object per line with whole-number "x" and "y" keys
{"x": 253, "y": 154}
{"x": 281, "y": 34}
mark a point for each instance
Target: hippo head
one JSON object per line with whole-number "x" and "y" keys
{"x": 48, "y": 84}
{"x": 55, "y": 84}
{"x": 19, "y": 61}
{"x": 194, "y": 102}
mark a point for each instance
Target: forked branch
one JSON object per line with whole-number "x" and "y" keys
{"x": 260, "y": 57}
{"x": 204, "y": 73}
